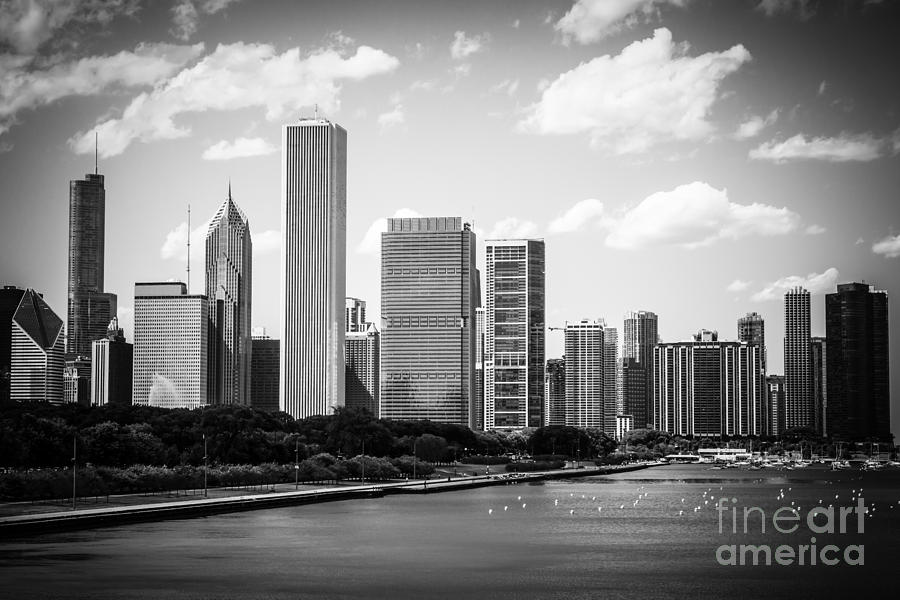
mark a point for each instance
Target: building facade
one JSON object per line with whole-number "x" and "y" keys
{"x": 313, "y": 267}
{"x": 858, "y": 383}
{"x": 818, "y": 369}
{"x": 264, "y": 365}
{"x": 112, "y": 364}
{"x": 37, "y": 351}
{"x": 229, "y": 263}
{"x": 171, "y": 346}
{"x": 479, "y": 369}
{"x": 515, "y": 332}
{"x": 798, "y": 404}
{"x": 77, "y": 381}
{"x": 429, "y": 293}
{"x": 555, "y": 391}
{"x": 10, "y": 296}
{"x": 634, "y": 392}
{"x": 362, "y": 350}
{"x": 774, "y": 411}
{"x": 611, "y": 380}
{"x": 355, "y": 315}
{"x": 640, "y": 338}
{"x": 586, "y": 405}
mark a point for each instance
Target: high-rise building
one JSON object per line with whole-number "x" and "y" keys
{"x": 818, "y": 369}
{"x": 363, "y": 368}
{"x": 77, "y": 380}
{"x": 555, "y": 392}
{"x": 171, "y": 346}
{"x": 89, "y": 308}
{"x": 112, "y": 364}
{"x": 264, "y": 365}
{"x": 798, "y": 405}
{"x": 514, "y": 334}
{"x": 752, "y": 329}
{"x": 708, "y": 387}
{"x": 355, "y": 315}
{"x": 774, "y": 411}
{"x": 429, "y": 293}
{"x": 36, "y": 351}
{"x": 640, "y": 338}
{"x": 229, "y": 261}
{"x": 585, "y": 385}
{"x": 10, "y": 296}
{"x": 313, "y": 267}
{"x": 610, "y": 380}
{"x": 479, "y": 368}
{"x": 858, "y": 386}
{"x": 634, "y": 392}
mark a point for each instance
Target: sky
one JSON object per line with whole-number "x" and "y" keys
{"x": 695, "y": 158}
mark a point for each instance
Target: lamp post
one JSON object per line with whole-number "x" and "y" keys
{"x": 205, "y": 468}
{"x": 415, "y": 460}
{"x": 296, "y": 464}
{"x": 363, "y": 461}
{"x": 74, "y": 464}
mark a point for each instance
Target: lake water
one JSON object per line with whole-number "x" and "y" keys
{"x": 484, "y": 544}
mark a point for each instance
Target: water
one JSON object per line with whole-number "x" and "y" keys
{"x": 449, "y": 545}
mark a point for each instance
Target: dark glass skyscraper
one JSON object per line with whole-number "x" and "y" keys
{"x": 89, "y": 309}
{"x": 641, "y": 337}
{"x": 798, "y": 403}
{"x": 858, "y": 388}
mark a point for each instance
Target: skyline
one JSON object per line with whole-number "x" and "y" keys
{"x": 759, "y": 169}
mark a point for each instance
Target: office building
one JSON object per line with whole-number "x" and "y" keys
{"x": 171, "y": 346}
{"x": 362, "y": 368}
{"x": 610, "y": 380}
{"x": 112, "y": 364}
{"x": 858, "y": 384}
{"x": 798, "y": 405}
{"x": 77, "y": 380}
{"x": 429, "y": 293}
{"x": 634, "y": 392}
{"x": 624, "y": 424}
{"x": 555, "y": 392}
{"x": 586, "y": 405}
{"x": 818, "y": 369}
{"x": 355, "y": 315}
{"x": 514, "y": 334}
{"x": 479, "y": 369}
{"x": 36, "y": 349}
{"x": 313, "y": 267}
{"x": 640, "y": 338}
{"x": 264, "y": 365}
{"x": 229, "y": 261}
{"x": 10, "y": 296}
{"x": 774, "y": 411}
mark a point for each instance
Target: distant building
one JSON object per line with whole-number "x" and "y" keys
{"x": 355, "y": 315}
{"x": 798, "y": 404}
{"x": 586, "y": 405}
{"x": 429, "y": 293}
{"x": 77, "y": 381}
{"x": 10, "y": 296}
{"x": 752, "y": 329}
{"x": 171, "y": 346}
{"x": 858, "y": 385}
{"x": 610, "y": 379}
{"x": 640, "y": 339}
{"x": 37, "y": 349}
{"x": 362, "y": 368}
{"x": 479, "y": 369}
{"x": 112, "y": 365}
{"x": 313, "y": 267}
{"x": 774, "y": 413}
{"x": 555, "y": 391}
{"x": 514, "y": 334}
{"x": 634, "y": 393}
{"x": 264, "y": 365}
{"x": 818, "y": 363}
{"x": 624, "y": 424}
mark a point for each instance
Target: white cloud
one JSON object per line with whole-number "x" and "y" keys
{"x": 843, "y": 148}
{"x": 581, "y": 215}
{"x": 754, "y": 125}
{"x": 650, "y": 93}
{"x": 186, "y": 15}
{"x": 423, "y": 85}
{"x": 464, "y": 47}
{"x": 738, "y": 285}
{"x": 240, "y": 148}
{"x": 175, "y": 244}
{"x": 392, "y": 118}
{"x": 694, "y": 215}
{"x": 802, "y": 8}
{"x": 822, "y": 87}
{"x": 815, "y": 283}
{"x": 512, "y": 228}
{"x": 591, "y": 20}
{"x": 888, "y": 247}
{"x": 516, "y": 23}
{"x": 462, "y": 70}
{"x": 371, "y": 242}
{"x": 266, "y": 242}
{"x": 22, "y": 87}
{"x": 237, "y": 76}
{"x": 507, "y": 86}
{"x": 815, "y": 230}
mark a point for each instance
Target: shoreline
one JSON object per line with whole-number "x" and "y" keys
{"x": 35, "y": 524}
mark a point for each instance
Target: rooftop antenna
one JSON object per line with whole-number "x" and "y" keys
{"x": 189, "y": 252}
{"x": 229, "y": 188}
{"x": 317, "y": 111}
{"x": 96, "y": 154}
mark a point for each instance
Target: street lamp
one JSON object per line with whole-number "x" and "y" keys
{"x": 415, "y": 460}
{"x": 205, "y": 468}
{"x": 363, "y": 461}
{"x": 74, "y": 464}
{"x": 296, "y": 464}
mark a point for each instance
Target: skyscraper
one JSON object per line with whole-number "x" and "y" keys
{"x": 858, "y": 386}
{"x": 429, "y": 293}
{"x": 774, "y": 411}
{"x": 610, "y": 380}
{"x": 818, "y": 368}
{"x": 798, "y": 405}
{"x": 89, "y": 308}
{"x": 77, "y": 381}
{"x": 479, "y": 369}
{"x": 362, "y": 368}
{"x": 514, "y": 334}
{"x": 640, "y": 338}
{"x": 355, "y": 315}
{"x": 171, "y": 346}
{"x": 112, "y": 364}
{"x": 10, "y": 296}
{"x": 37, "y": 350}
{"x": 634, "y": 392}
{"x": 229, "y": 261}
{"x": 313, "y": 267}
{"x": 264, "y": 365}
{"x": 585, "y": 371}
{"x": 555, "y": 392}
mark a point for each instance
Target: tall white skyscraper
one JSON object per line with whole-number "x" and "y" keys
{"x": 585, "y": 371}
{"x": 514, "y": 334}
{"x": 313, "y": 267}
{"x": 229, "y": 260}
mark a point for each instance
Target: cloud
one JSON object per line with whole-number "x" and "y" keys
{"x": 175, "y": 244}
{"x": 695, "y": 215}
{"x": 754, "y": 125}
{"x": 423, "y": 85}
{"x": 25, "y": 25}
{"x": 237, "y": 76}
{"x": 738, "y": 285}
{"x": 240, "y": 148}
{"x": 889, "y": 247}
{"x": 507, "y": 86}
{"x": 822, "y": 87}
{"x": 516, "y": 23}
{"x": 24, "y": 87}
{"x": 512, "y": 228}
{"x": 392, "y": 118}
{"x": 802, "y": 8}
{"x": 581, "y": 215}
{"x": 650, "y": 93}
{"x": 815, "y": 283}
{"x": 843, "y": 148}
{"x": 371, "y": 242}
{"x": 186, "y": 15}
{"x": 589, "y": 21}
{"x": 464, "y": 47}
{"x": 815, "y": 230}
{"x": 266, "y": 242}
